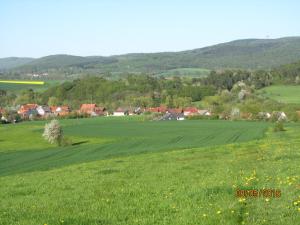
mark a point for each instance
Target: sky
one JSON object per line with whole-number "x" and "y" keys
{"x": 36, "y": 28}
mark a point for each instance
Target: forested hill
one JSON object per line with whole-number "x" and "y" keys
{"x": 12, "y": 62}
{"x": 243, "y": 54}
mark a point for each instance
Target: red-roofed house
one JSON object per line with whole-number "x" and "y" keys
{"x": 92, "y": 109}
{"x": 160, "y": 109}
{"x": 176, "y": 110}
{"x": 190, "y": 111}
{"x": 2, "y": 111}
{"x": 27, "y": 110}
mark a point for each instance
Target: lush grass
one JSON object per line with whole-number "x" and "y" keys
{"x": 103, "y": 138}
{"x": 283, "y": 93}
{"x": 185, "y": 186}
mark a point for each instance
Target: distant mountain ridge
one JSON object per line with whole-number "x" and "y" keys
{"x": 239, "y": 54}
{"x": 12, "y": 62}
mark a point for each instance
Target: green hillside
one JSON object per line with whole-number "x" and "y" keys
{"x": 11, "y": 62}
{"x": 243, "y": 54}
{"x": 282, "y": 93}
{"x": 62, "y": 61}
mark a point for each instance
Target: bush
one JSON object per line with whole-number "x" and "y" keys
{"x": 53, "y": 132}
{"x": 278, "y": 127}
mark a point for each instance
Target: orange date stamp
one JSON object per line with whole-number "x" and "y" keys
{"x": 256, "y": 193}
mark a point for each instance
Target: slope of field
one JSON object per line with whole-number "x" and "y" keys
{"x": 191, "y": 186}
{"x": 283, "y": 93}
{"x": 103, "y": 138}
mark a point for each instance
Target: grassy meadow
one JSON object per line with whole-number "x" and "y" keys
{"x": 283, "y": 93}
{"x": 131, "y": 171}
{"x": 186, "y": 72}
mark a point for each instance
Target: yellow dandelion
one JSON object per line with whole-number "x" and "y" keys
{"x": 242, "y": 199}
{"x": 204, "y": 215}
{"x": 267, "y": 199}
{"x": 232, "y": 211}
{"x": 219, "y": 212}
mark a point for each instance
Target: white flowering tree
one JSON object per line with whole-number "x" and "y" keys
{"x": 53, "y": 132}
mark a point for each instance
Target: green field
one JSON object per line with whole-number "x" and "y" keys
{"x": 186, "y": 72}
{"x": 283, "y": 93}
{"x": 131, "y": 171}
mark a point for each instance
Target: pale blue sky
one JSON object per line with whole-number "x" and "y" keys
{"x": 106, "y": 27}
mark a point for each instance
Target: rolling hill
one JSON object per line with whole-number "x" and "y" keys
{"x": 242, "y": 54}
{"x": 11, "y": 62}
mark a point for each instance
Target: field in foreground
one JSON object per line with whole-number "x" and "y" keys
{"x": 135, "y": 172}
{"x": 283, "y": 93}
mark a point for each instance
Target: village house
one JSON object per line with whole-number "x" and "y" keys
{"x": 92, "y": 110}
{"x": 28, "y": 110}
{"x": 175, "y": 110}
{"x": 2, "y": 112}
{"x": 121, "y": 112}
{"x": 138, "y": 111}
{"x": 264, "y": 115}
{"x": 160, "y": 109}
{"x": 173, "y": 116}
{"x": 60, "y": 110}
{"x": 43, "y": 111}
{"x": 204, "y": 112}
{"x": 279, "y": 116}
{"x": 190, "y": 111}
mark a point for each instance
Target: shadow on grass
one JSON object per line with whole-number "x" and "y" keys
{"x": 79, "y": 143}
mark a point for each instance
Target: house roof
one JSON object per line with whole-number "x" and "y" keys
{"x": 87, "y": 106}
{"x": 191, "y": 109}
{"x": 27, "y": 107}
{"x": 176, "y": 110}
{"x": 161, "y": 109}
